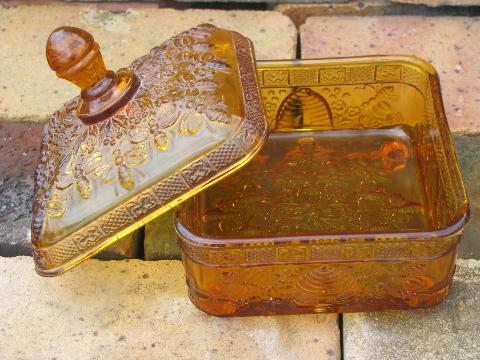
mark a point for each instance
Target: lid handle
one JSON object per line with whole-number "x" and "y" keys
{"x": 75, "y": 56}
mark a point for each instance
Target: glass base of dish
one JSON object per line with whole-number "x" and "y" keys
{"x": 320, "y": 287}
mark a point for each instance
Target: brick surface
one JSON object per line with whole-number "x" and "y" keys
{"x": 161, "y": 239}
{"x": 302, "y": 11}
{"x": 468, "y": 149}
{"x": 450, "y": 43}
{"x": 19, "y": 151}
{"x": 30, "y": 90}
{"x": 127, "y": 247}
{"x": 264, "y": 1}
{"x": 299, "y": 13}
{"x": 140, "y": 310}
{"x": 448, "y": 331}
{"x": 436, "y": 3}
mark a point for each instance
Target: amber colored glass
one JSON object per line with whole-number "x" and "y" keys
{"x": 75, "y": 56}
{"x": 114, "y": 158}
{"x": 355, "y": 203}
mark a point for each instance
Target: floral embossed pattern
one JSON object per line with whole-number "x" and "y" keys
{"x": 190, "y": 104}
{"x": 302, "y": 182}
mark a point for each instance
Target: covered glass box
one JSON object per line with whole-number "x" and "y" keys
{"x": 304, "y": 186}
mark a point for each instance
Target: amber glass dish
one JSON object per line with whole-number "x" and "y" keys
{"x": 355, "y": 202}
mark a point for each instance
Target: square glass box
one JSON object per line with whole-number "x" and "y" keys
{"x": 355, "y": 202}
{"x": 340, "y": 192}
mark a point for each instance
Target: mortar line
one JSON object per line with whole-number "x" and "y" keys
{"x": 141, "y": 243}
{"x": 298, "y": 50}
{"x": 340, "y": 325}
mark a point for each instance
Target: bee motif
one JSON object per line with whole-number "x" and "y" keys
{"x": 123, "y": 166}
{"x": 78, "y": 174}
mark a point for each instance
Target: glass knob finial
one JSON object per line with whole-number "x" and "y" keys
{"x": 75, "y": 56}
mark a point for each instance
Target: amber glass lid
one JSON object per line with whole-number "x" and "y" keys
{"x": 139, "y": 141}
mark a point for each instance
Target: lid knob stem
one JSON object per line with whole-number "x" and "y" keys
{"x": 75, "y": 56}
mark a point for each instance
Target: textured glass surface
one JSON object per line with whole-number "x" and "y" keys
{"x": 197, "y": 115}
{"x": 355, "y": 203}
{"x": 329, "y": 182}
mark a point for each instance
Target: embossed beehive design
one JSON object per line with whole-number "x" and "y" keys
{"x": 304, "y": 108}
{"x": 324, "y": 285}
